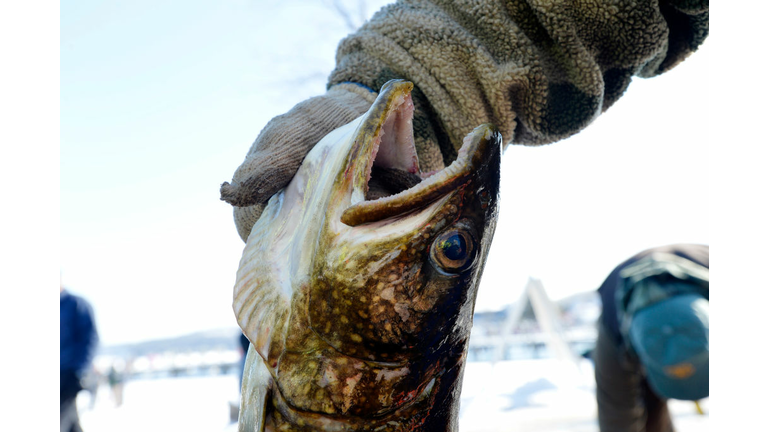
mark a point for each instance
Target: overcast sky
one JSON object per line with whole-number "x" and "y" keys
{"x": 161, "y": 100}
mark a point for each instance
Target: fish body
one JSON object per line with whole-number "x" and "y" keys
{"x": 359, "y": 311}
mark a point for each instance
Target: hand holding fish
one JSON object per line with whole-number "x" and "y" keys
{"x": 539, "y": 71}
{"x": 367, "y": 223}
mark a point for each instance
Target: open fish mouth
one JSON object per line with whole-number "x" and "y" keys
{"x": 383, "y": 164}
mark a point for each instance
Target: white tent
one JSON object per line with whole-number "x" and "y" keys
{"x": 547, "y": 315}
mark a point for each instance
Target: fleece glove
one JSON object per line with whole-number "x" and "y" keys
{"x": 540, "y": 70}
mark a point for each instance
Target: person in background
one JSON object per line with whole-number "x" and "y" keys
{"x": 77, "y": 345}
{"x": 116, "y": 379}
{"x": 653, "y": 338}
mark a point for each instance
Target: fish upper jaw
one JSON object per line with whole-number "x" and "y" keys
{"x": 385, "y": 139}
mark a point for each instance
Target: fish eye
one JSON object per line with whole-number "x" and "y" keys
{"x": 454, "y": 249}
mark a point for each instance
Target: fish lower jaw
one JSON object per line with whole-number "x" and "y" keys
{"x": 285, "y": 417}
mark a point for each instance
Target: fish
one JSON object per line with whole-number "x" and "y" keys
{"x": 359, "y": 310}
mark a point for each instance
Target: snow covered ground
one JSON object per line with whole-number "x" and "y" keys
{"x": 524, "y": 395}
{"x": 544, "y": 396}
{"x": 187, "y": 404}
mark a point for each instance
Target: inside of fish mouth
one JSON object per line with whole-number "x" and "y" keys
{"x": 395, "y": 165}
{"x": 389, "y": 181}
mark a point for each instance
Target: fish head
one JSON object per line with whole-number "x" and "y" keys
{"x": 381, "y": 280}
{"x": 397, "y": 276}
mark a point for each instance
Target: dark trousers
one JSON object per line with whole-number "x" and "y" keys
{"x": 70, "y": 386}
{"x": 625, "y": 402}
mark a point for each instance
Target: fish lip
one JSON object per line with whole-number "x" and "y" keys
{"x": 394, "y": 100}
{"x": 392, "y": 104}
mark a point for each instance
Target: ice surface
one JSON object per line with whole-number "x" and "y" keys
{"x": 543, "y": 395}
{"x": 525, "y": 395}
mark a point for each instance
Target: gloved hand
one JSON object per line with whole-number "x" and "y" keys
{"x": 280, "y": 148}
{"x": 539, "y": 71}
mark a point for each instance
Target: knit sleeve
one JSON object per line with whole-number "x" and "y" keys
{"x": 541, "y": 70}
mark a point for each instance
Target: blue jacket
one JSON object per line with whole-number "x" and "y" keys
{"x": 77, "y": 331}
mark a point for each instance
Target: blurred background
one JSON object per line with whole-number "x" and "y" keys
{"x": 160, "y": 102}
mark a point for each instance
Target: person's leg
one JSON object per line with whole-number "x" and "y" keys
{"x": 69, "y": 386}
{"x": 618, "y": 392}
{"x": 659, "y": 418}
{"x": 70, "y": 422}
{"x": 75, "y": 418}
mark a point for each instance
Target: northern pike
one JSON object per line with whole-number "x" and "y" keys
{"x": 359, "y": 310}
